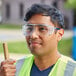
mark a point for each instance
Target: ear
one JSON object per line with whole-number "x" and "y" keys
{"x": 60, "y": 34}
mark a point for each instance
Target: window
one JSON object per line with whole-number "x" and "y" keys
{"x": 74, "y": 18}
{"x": 66, "y": 22}
{"x": 21, "y": 10}
{"x": 55, "y": 3}
{"x": 7, "y": 11}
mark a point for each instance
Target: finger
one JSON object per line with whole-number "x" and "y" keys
{"x": 8, "y": 72}
{"x": 8, "y": 62}
{"x": 10, "y": 75}
{"x": 12, "y": 66}
{"x": 8, "y": 66}
{"x": 11, "y": 72}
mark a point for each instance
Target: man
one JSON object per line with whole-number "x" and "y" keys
{"x": 43, "y": 30}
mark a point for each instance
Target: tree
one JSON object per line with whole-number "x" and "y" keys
{"x": 71, "y": 4}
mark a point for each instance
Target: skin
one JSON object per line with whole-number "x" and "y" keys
{"x": 44, "y": 48}
{"x": 7, "y": 68}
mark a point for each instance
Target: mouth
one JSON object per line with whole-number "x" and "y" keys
{"x": 34, "y": 43}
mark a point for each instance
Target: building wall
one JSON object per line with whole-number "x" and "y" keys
{"x": 0, "y": 11}
{"x": 68, "y": 14}
{"x": 15, "y": 10}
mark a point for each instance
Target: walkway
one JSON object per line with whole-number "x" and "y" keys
{"x": 13, "y": 56}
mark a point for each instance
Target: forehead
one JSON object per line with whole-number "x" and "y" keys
{"x": 40, "y": 19}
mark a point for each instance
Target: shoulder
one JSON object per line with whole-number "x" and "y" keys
{"x": 20, "y": 63}
{"x": 70, "y": 65}
{"x": 68, "y": 61}
{"x": 25, "y": 58}
{"x": 65, "y": 59}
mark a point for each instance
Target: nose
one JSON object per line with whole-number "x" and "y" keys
{"x": 35, "y": 34}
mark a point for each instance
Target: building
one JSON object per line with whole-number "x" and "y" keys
{"x": 0, "y": 11}
{"x": 13, "y": 11}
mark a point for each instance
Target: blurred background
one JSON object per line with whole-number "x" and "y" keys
{"x": 12, "y": 14}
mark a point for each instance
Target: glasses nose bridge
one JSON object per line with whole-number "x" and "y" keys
{"x": 35, "y": 31}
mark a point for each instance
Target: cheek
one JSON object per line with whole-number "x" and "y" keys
{"x": 51, "y": 41}
{"x": 27, "y": 39}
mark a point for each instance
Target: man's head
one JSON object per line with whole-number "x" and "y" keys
{"x": 44, "y": 28}
{"x": 55, "y": 15}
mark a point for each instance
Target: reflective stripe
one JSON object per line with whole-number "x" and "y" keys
{"x": 26, "y": 68}
{"x": 74, "y": 74}
{"x": 70, "y": 67}
{"x": 19, "y": 66}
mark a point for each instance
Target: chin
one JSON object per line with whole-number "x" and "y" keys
{"x": 35, "y": 51}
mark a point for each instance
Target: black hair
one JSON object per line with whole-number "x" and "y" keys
{"x": 46, "y": 10}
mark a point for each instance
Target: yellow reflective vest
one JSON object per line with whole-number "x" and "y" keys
{"x": 65, "y": 66}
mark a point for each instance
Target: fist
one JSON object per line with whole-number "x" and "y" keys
{"x": 7, "y": 68}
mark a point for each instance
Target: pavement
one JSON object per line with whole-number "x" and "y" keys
{"x": 14, "y": 35}
{"x": 13, "y": 56}
{"x": 11, "y": 35}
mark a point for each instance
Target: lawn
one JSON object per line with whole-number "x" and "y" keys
{"x": 10, "y": 26}
{"x": 64, "y": 46}
{"x": 16, "y": 47}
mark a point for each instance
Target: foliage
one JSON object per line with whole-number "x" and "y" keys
{"x": 65, "y": 46}
{"x": 71, "y": 4}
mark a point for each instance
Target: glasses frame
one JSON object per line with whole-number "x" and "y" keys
{"x": 49, "y": 26}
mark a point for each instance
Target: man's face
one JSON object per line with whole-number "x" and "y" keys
{"x": 41, "y": 44}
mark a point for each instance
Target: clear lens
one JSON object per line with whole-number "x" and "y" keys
{"x": 43, "y": 30}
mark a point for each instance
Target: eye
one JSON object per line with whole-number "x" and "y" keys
{"x": 29, "y": 29}
{"x": 43, "y": 28}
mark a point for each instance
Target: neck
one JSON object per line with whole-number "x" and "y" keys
{"x": 45, "y": 62}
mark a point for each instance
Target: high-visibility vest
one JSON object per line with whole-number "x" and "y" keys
{"x": 64, "y": 66}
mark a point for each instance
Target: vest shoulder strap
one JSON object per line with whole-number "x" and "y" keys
{"x": 19, "y": 66}
{"x": 70, "y": 69}
{"x": 70, "y": 66}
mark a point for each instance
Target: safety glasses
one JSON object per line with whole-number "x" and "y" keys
{"x": 40, "y": 29}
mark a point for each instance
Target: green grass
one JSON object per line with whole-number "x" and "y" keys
{"x": 64, "y": 46}
{"x": 10, "y": 26}
{"x": 16, "y": 47}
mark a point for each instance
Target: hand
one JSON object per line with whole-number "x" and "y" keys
{"x": 7, "y": 68}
